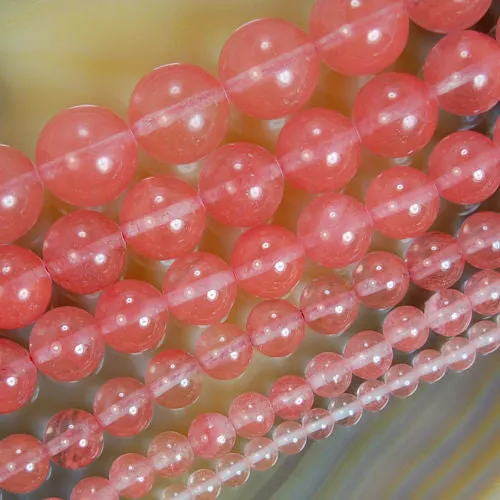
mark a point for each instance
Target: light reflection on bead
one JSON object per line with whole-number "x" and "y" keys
{"x": 483, "y": 291}
{"x": 405, "y": 328}
{"x": 317, "y": 423}
{"x": 372, "y": 403}
{"x": 291, "y": 396}
{"x": 262, "y": 453}
{"x": 196, "y": 484}
{"x": 328, "y": 374}
{"x": 290, "y": 437}
{"x": 461, "y": 353}
{"x": 401, "y": 381}
{"x": 346, "y": 409}
{"x": 430, "y": 360}
{"x": 251, "y": 414}
{"x": 489, "y": 332}
{"x": 132, "y": 475}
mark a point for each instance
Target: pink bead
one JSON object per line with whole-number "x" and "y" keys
{"x": 460, "y": 352}
{"x": 224, "y": 351}
{"x": 74, "y": 438}
{"x": 211, "y": 435}
{"x": 179, "y": 113}
{"x": 489, "y": 334}
{"x": 483, "y": 290}
{"x": 370, "y": 354}
{"x": 405, "y": 328}
{"x": 317, "y": 422}
{"x": 233, "y": 470}
{"x": 479, "y": 239}
{"x": 395, "y": 114}
{"x": 328, "y": 374}
{"x": 430, "y": 360}
{"x": 241, "y": 184}
{"x": 346, "y": 409}
{"x": 372, "y": 401}
{"x": 175, "y": 378}
{"x": 380, "y": 280}
{"x": 86, "y": 156}
{"x": 18, "y": 376}
{"x": 335, "y": 230}
{"x": 401, "y": 380}
{"x": 162, "y": 218}
{"x": 174, "y": 492}
{"x": 290, "y": 437}
{"x": 319, "y": 150}
{"x": 132, "y": 475}
{"x": 268, "y": 261}
{"x": 403, "y": 202}
{"x": 269, "y": 68}
{"x": 26, "y": 287}
{"x": 359, "y": 38}
{"x": 276, "y": 328}
{"x": 291, "y": 397}
{"x": 65, "y": 344}
{"x": 201, "y": 491}
{"x": 262, "y": 453}
{"x": 251, "y": 414}
{"x": 200, "y": 289}
{"x": 97, "y": 488}
{"x": 84, "y": 252}
{"x": 329, "y": 305}
{"x": 448, "y": 312}
{"x": 464, "y": 70}
{"x": 170, "y": 454}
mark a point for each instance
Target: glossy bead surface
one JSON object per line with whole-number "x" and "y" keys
{"x": 460, "y": 354}
{"x": 132, "y": 475}
{"x": 318, "y": 423}
{"x": 483, "y": 290}
{"x": 97, "y": 488}
{"x": 488, "y": 332}
{"x": 372, "y": 401}
{"x": 262, "y": 453}
{"x": 170, "y": 454}
{"x": 328, "y": 374}
{"x": 174, "y": 492}
{"x": 211, "y": 435}
{"x": 405, "y": 328}
{"x": 346, "y": 409}
{"x": 233, "y": 470}
{"x": 251, "y": 414}
{"x": 430, "y": 360}
{"x": 291, "y": 397}
{"x": 290, "y": 437}
{"x": 278, "y": 74}
{"x": 401, "y": 380}
{"x": 196, "y": 482}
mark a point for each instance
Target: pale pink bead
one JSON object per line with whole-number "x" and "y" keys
{"x": 346, "y": 409}
{"x": 318, "y": 423}
{"x": 132, "y": 475}
{"x": 174, "y": 491}
{"x": 328, "y": 374}
{"x": 460, "y": 353}
{"x": 94, "y": 488}
{"x": 170, "y": 454}
{"x": 211, "y": 435}
{"x": 251, "y": 414}
{"x": 430, "y": 361}
{"x": 204, "y": 484}
{"x": 290, "y": 437}
{"x": 371, "y": 396}
{"x": 448, "y": 312}
{"x": 291, "y": 397}
{"x": 487, "y": 334}
{"x": 262, "y": 453}
{"x": 401, "y": 380}
{"x": 233, "y": 469}
{"x": 405, "y": 328}
{"x": 483, "y": 290}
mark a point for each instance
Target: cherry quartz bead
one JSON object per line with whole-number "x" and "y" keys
{"x": 86, "y": 156}
{"x": 132, "y": 475}
{"x": 241, "y": 184}
{"x": 464, "y": 70}
{"x": 171, "y": 454}
{"x": 162, "y": 217}
{"x": 430, "y": 360}
{"x": 179, "y": 113}
{"x": 346, "y": 409}
{"x": 319, "y": 150}
{"x": 401, "y": 380}
{"x": 328, "y": 374}
{"x": 200, "y": 288}
{"x": 291, "y": 396}
{"x": 335, "y": 230}
{"x": 405, "y": 328}
{"x": 262, "y": 453}
{"x": 201, "y": 491}
{"x": 94, "y": 487}
{"x": 279, "y": 70}
{"x": 290, "y": 437}
{"x": 403, "y": 202}
{"x": 370, "y": 394}
{"x": 211, "y": 435}
{"x": 233, "y": 470}
{"x": 488, "y": 332}
{"x": 251, "y": 414}
{"x": 483, "y": 290}
{"x": 174, "y": 492}
{"x": 268, "y": 261}
{"x": 65, "y": 344}
{"x": 460, "y": 354}
{"x": 318, "y": 423}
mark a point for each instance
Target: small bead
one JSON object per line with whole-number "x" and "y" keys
{"x": 174, "y": 491}
{"x": 290, "y": 437}
{"x": 405, "y": 328}
{"x": 431, "y": 361}
{"x": 291, "y": 397}
{"x": 201, "y": 491}
{"x": 97, "y": 488}
{"x": 132, "y": 475}
{"x": 262, "y": 453}
{"x": 170, "y": 454}
{"x": 346, "y": 409}
{"x": 372, "y": 402}
{"x": 483, "y": 291}
{"x": 461, "y": 354}
{"x": 489, "y": 334}
{"x": 401, "y": 380}
{"x": 251, "y": 414}
{"x": 211, "y": 435}
{"x": 317, "y": 423}
{"x": 233, "y": 470}
{"x": 328, "y": 374}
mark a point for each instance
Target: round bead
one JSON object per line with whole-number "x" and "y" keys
{"x": 380, "y": 280}
{"x": 373, "y": 402}
{"x": 84, "y": 252}
{"x": 74, "y": 438}
{"x": 26, "y": 287}
{"x": 460, "y": 354}
{"x": 328, "y": 374}
{"x": 241, "y": 184}
{"x": 278, "y": 73}
{"x": 346, "y": 409}
{"x": 291, "y": 397}
{"x": 179, "y": 113}
{"x": 268, "y": 261}
{"x": 201, "y": 491}
{"x": 318, "y": 423}
{"x": 290, "y": 437}
{"x": 319, "y": 150}
{"x": 251, "y": 414}
{"x": 369, "y": 353}
{"x": 483, "y": 290}
{"x": 224, "y": 351}
{"x": 262, "y": 453}
{"x": 489, "y": 334}
{"x": 430, "y": 360}
{"x": 174, "y": 492}
{"x": 97, "y": 488}
{"x": 200, "y": 288}
{"x": 464, "y": 70}
{"x": 335, "y": 230}
{"x": 276, "y": 328}
{"x": 233, "y": 470}
{"x": 403, "y": 202}
{"x": 175, "y": 378}
{"x": 401, "y": 380}
{"x": 162, "y": 217}
{"x": 170, "y": 454}
{"x": 211, "y": 435}
{"x": 405, "y": 328}
{"x": 132, "y": 475}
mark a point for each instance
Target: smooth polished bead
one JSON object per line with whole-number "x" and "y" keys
{"x": 97, "y": 488}
{"x": 346, "y": 409}
{"x": 372, "y": 402}
{"x": 233, "y": 470}
{"x": 460, "y": 352}
{"x": 171, "y": 454}
{"x": 132, "y": 475}
{"x": 174, "y": 492}
{"x": 328, "y": 374}
{"x": 318, "y": 423}
{"x": 262, "y": 453}
{"x": 291, "y": 396}
{"x": 290, "y": 437}
{"x": 211, "y": 435}
{"x": 251, "y": 414}
{"x": 401, "y": 380}
{"x": 488, "y": 332}
{"x": 405, "y": 328}
{"x": 430, "y": 360}
{"x": 483, "y": 290}
{"x": 201, "y": 491}
{"x": 269, "y": 68}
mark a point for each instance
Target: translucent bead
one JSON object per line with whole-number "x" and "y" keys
{"x": 430, "y": 360}
{"x": 290, "y": 437}
{"x": 269, "y": 68}
{"x": 179, "y": 113}
{"x": 464, "y": 70}
{"x": 372, "y": 402}
{"x": 74, "y": 438}
{"x": 291, "y": 397}
{"x": 170, "y": 454}
{"x": 448, "y": 312}
{"x": 405, "y": 328}
{"x": 346, "y": 409}
{"x": 200, "y": 288}
{"x": 466, "y": 167}
{"x": 483, "y": 290}
{"x": 251, "y": 414}
{"x": 489, "y": 334}
{"x": 86, "y": 156}
{"x": 174, "y": 492}
{"x": 268, "y": 261}
{"x": 262, "y": 453}
{"x": 319, "y": 150}
{"x": 460, "y": 353}
{"x": 201, "y": 491}
{"x": 369, "y": 354}
{"x": 175, "y": 378}
{"x": 97, "y": 488}
{"x": 335, "y": 230}
{"x": 401, "y": 380}
{"x": 395, "y": 114}
{"x": 132, "y": 475}
{"x": 224, "y": 351}
{"x": 403, "y": 202}
{"x": 380, "y": 280}
{"x": 211, "y": 435}
{"x": 233, "y": 470}
{"x": 26, "y": 287}
{"x": 84, "y": 252}
{"x": 241, "y": 184}
{"x": 329, "y": 305}
{"x": 276, "y": 328}
{"x": 317, "y": 422}
{"x": 328, "y": 374}
{"x": 162, "y": 218}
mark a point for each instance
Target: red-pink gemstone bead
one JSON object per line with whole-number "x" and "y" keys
{"x": 200, "y": 288}
{"x": 170, "y": 454}
{"x": 291, "y": 397}
{"x": 460, "y": 352}
{"x": 233, "y": 470}
{"x": 132, "y": 475}
{"x": 290, "y": 437}
{"x": 401, "y": 380}
{"x": 97, "y": 488}
{"x": 346, "y": 409}
{"x": 278, "y": 72}
{"x": 174, "y": 492}
{"x": 241, "y": 184}
{"x": 276, "y": 328}
{"x": 201, "y": 491}
{"x": 430, "y": 360}
{"x": 489, "y": 334}
{"x": 483, "y": 290}
{"x": 251, "y": 414}
{"x": 268, "y": 261}
{"x": 405, "y": 328}
{"x": 211, "y": 435}
{"x": 372, "y": 401}
{"x": 262, "y": 453}
{"x": 328, "y": 374}
{"x": 335, "y": 230}
{"x": 319, "y": 150}
{"x": 179, "y": 113}
{"x": 318, "y": 423}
